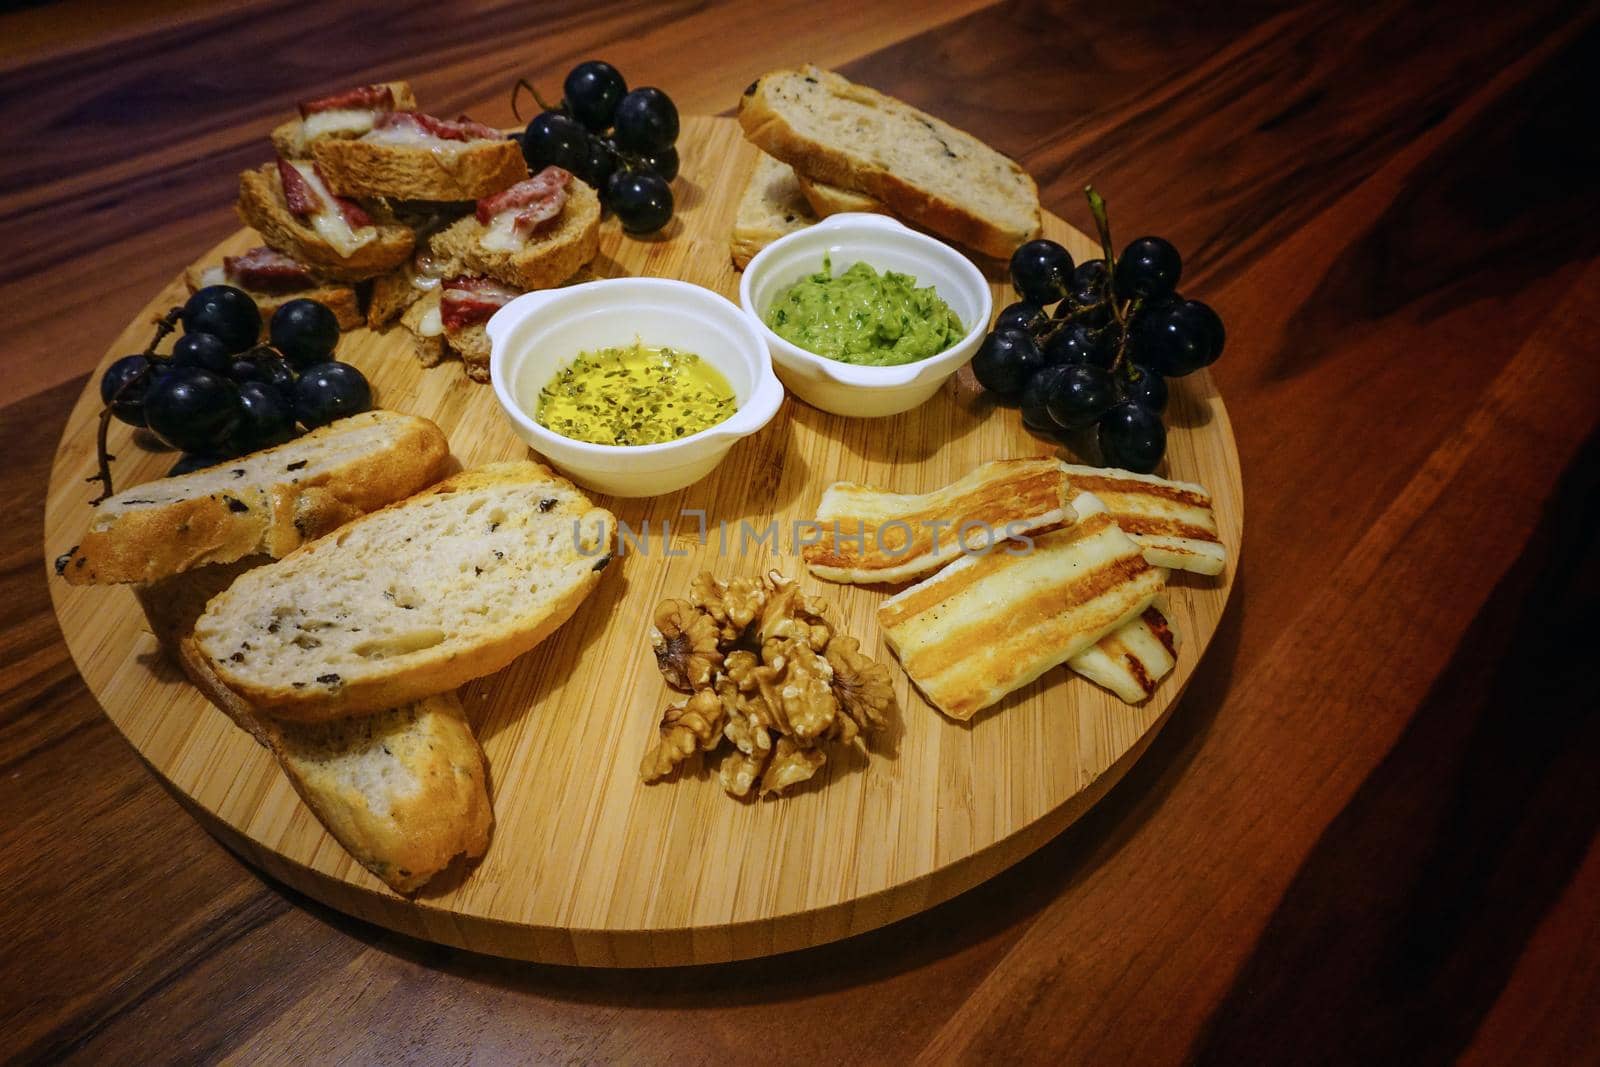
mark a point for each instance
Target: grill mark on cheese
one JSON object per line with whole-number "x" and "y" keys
{"x": 995, "y": 503}
{"x": 1158, "y": 626}
{"x": 1100, "y": 485}
{"x": 948, "y": 584}
{"x": 1152, "y": 526}
{"x": 1041, "y": 607}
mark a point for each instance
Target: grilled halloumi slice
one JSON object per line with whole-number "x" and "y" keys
{"x": 1131, "y": 659}
{"x": 1172, "y": 521}
{"x": 869, "y": 535}
{"x": 986, "y": 625}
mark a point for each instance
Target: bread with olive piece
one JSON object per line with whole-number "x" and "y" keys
{"x": 404, "y": 791}
{"x": 350, "y": 624}
{"x": 922, "y": 169}
{"x": 770, "y": 207}
{"x": 263, "y": 206}
{"x": 269, "y": 502}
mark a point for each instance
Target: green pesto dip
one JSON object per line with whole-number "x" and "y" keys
{"x": 863, "y": 317}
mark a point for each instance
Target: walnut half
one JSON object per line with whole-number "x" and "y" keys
{"x": 684, "y": 639}
{"x": 686, "y": 727}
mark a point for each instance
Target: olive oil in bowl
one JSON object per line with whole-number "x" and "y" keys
{"x": 636, "y": 394}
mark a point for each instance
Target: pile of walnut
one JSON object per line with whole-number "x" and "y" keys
{"x": 765, "y": 672}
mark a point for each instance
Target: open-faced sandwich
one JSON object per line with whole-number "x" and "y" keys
{"x": 290, "y": 204}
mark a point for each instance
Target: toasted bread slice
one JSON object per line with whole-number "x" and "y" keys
{"x": 1131, "y": 659}
{"x": 924, "y": 170}
{"x": 350, "y": 624}
{"x": 987, "y": 625}
{"x": 404, "y": 791}
{"x": 770, "y": 207}
{"x": 269, "y": 502}
{"x": 1171, "y": 521}
{"x": 471, "y": 343}
{"x": 448, "y": 170}
{"x": 340, "y": 299}
{"x": 546, "y": 259}
{"x": 262, "y": 206}
{"x": 421, "y": 320}
{"x": 828, "y": 199}
{"x": 293, "y": 139}
{"x": 870, "y": 535}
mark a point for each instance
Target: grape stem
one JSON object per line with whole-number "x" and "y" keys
{"x": 1124, "y": 315}
{"x": 164, "y": 325}
{"x": 1102, "y": 223}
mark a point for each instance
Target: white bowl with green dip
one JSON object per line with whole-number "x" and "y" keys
{"x": 863, "y": 315}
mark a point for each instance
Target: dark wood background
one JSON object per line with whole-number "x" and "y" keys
{"x": 1369, "y": 833}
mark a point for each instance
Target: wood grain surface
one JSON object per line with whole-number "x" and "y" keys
{"x": 589, "y": 865}
{"x": 1369, "y": 837}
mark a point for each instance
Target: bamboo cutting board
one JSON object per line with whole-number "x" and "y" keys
{"x": 587, "y": 864}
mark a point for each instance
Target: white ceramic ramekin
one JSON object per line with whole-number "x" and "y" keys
{"x": 884, "y": 244}
{"x": 537, "y": 334}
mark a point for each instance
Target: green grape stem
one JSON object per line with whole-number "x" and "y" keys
{"x": 1102, "y": 222}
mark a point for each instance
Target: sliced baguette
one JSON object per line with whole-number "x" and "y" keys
{"x": 770, "y": 207}
{"x": 292, "y": 143}
{"x": 269, "y": 502}
{"x": 405, "y": 172}
{"x": 828, "y": 199}
{"x": 924, "y": 170}
{"x": 340, "y": 299}
{"x": 351, "y": 623}
{"x": 546, "y": 260}
{"x": 405, "y": 790}
{"x": 261, "y": 205}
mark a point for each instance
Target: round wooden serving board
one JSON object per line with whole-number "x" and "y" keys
{"x": 588, "y": 865}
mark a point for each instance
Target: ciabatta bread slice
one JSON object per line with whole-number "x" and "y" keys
{"x": 924, "y": 170}
{"x": 405, "y": 790}
{"x": 269, "y": 502}
{"x": 343, "y": 253}
{"x": 770, "y": 207}
{"x": 828, "y": 199}
{"x": 548, "y": 257}
{"x": 345, "y": 115}
{"x": 420, "y": 597}
{"x": 336, "y": 297}
{"x": 412, "y": 156}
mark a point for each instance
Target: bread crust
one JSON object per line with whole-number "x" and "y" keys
{"x": 828, "y": 199}
{"x": 448, "y": 665}
{"x": 546, "y": 260}
{"x": 147, "y": 543}
{"x": 340, "y": 299}
{"x": 450, "y": 815}
{"x": 261, "y": 205}
{"x": 403, "y": 172}
{"x": 766, "y": 127}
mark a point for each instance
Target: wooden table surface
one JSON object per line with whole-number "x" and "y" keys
{"x": 1369, "y": 833}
